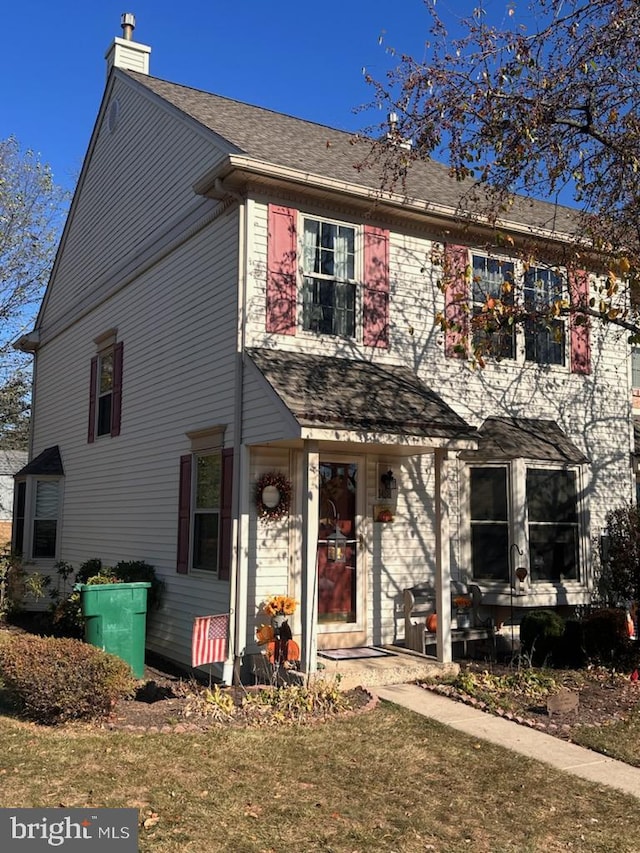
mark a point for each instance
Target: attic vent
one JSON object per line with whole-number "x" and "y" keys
{"x": 114, "y": 115}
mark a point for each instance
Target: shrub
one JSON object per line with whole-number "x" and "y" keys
{"x": 540, "y": 632}
{"x": 606, "y": 634}
{"x": 619, "y": 576}
{"x": 58, "y": 679}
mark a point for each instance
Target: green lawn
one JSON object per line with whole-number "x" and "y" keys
{"x": 387, "y": 780}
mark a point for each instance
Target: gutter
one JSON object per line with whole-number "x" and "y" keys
{"x": 248, "y": 166}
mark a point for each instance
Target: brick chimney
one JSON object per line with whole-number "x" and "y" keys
{"x": 126, "y": 53}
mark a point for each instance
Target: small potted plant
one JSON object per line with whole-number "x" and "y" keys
{"x": 462, "y": 603}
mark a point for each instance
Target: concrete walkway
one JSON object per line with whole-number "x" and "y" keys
{"x": 546, "y": 748}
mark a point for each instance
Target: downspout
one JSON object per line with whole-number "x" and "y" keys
{"x": 238, "y": 577}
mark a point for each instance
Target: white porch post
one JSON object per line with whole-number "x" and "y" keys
{"x": 310, "y": 516}
{"x": 240, "y": 568}
{"x": 443, "y": 564}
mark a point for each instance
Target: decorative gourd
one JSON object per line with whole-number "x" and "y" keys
{"x": 432, "y": 623}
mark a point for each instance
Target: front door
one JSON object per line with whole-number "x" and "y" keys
{"x": 339, "y": 577}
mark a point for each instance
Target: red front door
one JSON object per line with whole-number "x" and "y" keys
{"x": 337, "y": 577}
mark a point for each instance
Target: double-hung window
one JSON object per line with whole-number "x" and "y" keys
{"x": 105, "y": 390}
{"x": 206, "y": 512}
{"x": 544, "y": 335}
{"x": 492, "y": 281}
{"x": 329, "y": 278}
{"x": 205, "y": 505}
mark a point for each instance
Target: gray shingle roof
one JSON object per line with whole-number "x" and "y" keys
{"x": 348, "y": 394}
{"x": 49, "y": 462}
{"x": 11, "y": 461}
{"x": 528, "y": 438}
{"x": 320, "y": 150}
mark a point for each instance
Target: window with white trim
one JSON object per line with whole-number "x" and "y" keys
{"x": 551, "y": 533}
{"x": 329, "y": 278}
{"x": 104, "y": 392}
{"x": 206, "y": 511}
{"x": 544, "y": 336}
{"x": 36, "y": 517}
{"x": 492, "y": 279}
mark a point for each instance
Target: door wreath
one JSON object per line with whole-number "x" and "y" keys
{"x": 273, "y": 496}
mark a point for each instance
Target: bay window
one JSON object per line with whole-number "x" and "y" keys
{"x": 550, "y": 532}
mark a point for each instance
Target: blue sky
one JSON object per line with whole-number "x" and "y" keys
{"x": 296, "y": 57}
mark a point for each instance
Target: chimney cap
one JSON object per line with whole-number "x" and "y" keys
{"x": 128, "y": 24}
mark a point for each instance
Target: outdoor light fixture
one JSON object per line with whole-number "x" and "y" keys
{"x": 336, "y": 541}
{"x": 388, "y": 489}
{"x": 605, "y": 543}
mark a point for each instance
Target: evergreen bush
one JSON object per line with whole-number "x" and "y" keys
{"x": 540, "y": 635}
{"x": 56, "y": 679}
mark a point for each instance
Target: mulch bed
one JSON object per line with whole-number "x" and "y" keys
{"x": 604, "y": 697}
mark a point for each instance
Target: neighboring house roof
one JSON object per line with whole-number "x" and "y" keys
{"x": 11, "y": 461}
{"x": 315, "y": 149}
{"x": 530, "y": 438}
{"x": 350, "y": 394}
{"x": 47, "y": 463}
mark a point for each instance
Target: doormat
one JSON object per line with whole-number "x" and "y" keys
{"x": 355, "y": 654}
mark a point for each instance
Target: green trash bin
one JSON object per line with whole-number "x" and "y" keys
{"x": 115, "y": 617}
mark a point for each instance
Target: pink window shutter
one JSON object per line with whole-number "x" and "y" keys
{"x": 579, "y": 323}
{"x": 226, "y": 515}
{"x": 456, "y": 300}
{"x": 376, "y": 287}
{"x": 91, "y": 433}
{"x": 281, "y": 270}
{"x": 184, "y": 514}
{"x": 116, "y": 401}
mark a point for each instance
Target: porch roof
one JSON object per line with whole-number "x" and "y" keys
{"x": 528, "y": 438}
{"x": 354, "y": 395}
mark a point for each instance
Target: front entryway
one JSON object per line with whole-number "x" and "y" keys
{"x": 340, "y": 588}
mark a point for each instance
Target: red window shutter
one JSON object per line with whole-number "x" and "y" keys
{"x": 91, "y": 435}
{"x": 456, "y": 300}
{"x": 281, "y": 270}
{"x": 116, "y": 399}
{"x": 226, "y": 515}
{"x": 376, "y": 287}
{"x": 579, "y": 323}
{"x": 184, "y": 514}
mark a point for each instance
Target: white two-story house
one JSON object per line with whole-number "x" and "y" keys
{"x": 240, "y": 378}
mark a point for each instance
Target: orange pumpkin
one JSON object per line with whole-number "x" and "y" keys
{"x": 432, "y": 623}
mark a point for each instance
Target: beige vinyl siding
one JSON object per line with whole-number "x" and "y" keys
{"x": 269, "y": 542}
{"x": 177, "y": 323}
{"x": 137, "y": 183}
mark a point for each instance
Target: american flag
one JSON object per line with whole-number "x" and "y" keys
{"x": 209, "y": 639}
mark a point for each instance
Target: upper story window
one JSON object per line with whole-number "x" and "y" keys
{"x": 105, "y": 393}
{"x": 105, "y": 390}
{"x": 635, "y": 367}
{"x": 492, "y": 280}
{"x": 544, "y": 336}
{"x": 329, "y": 287}
{"x": 487, "y": 297}
{"x": 327, "y": 278}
